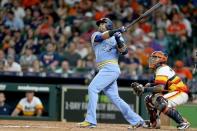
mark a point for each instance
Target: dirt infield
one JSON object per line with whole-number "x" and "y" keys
{"x": 13, "y": 125}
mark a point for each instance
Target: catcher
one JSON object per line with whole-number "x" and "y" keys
{"x": 167, "y": 92}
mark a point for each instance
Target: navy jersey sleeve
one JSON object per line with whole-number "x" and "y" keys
{"x": 96, "y": 37}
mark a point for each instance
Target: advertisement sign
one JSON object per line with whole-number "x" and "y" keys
{"x": 74, "y": 105}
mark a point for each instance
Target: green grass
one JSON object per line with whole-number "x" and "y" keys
{"x": 188, "y": 111}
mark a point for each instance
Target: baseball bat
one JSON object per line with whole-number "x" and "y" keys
{"x": 194, "y": 70}
{"x": 155, "y": 7}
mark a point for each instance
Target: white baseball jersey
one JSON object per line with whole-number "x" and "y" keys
{"x": 30, "y": 108}
{"x": 165, "y": 71}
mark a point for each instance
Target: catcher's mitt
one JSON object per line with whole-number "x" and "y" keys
{"x": 137, "y": 88}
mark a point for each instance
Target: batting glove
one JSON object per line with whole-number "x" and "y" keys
{"x": 122, "y": 29}
{"x": 117, "y": 35}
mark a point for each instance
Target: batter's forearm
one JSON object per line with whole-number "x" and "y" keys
{"x": 105, "y": 35}
{"x": 110, "y": 33}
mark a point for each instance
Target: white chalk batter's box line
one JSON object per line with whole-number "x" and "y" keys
{"x": 27, "y": 126}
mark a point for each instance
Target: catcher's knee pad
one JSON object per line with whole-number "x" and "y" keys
{"x": 151, "y": 109}
{"x": 161, "y": 103}
{"x": 148, "y": 101}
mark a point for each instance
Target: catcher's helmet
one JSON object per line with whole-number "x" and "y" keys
{"x": 109, "y": 23}
{"x": 157, "y": 58}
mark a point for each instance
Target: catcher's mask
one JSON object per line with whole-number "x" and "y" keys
{"x": 157, "y": 58}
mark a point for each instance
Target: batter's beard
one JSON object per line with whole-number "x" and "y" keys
{"x": 102, "y": 30}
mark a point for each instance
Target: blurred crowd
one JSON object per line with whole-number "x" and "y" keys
{"x": 54, "y": 35}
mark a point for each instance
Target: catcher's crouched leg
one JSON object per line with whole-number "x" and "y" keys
{"x": 154, "y": 121}
{"x": 161, "y": 104}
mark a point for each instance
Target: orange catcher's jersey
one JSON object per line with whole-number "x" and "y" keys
{"x": 166, "y": 76}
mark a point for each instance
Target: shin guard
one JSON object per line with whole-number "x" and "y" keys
{"x": 174, "y": 114}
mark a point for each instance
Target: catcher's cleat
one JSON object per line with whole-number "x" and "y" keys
{"x": 183, "y": 125}
{"x": 86, "y": 124}
{"x": 155, "y": 125}
{"x": 158, "y": 122}
{"x": 138, "y": 125}
{"x": 147, "y": 124}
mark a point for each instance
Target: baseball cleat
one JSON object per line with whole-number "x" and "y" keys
{"x": 183, "y": 126}
{"x": 147, "y": 124}
{"x": 86, "y": 124}
{"x": 158, "y": 122}
{"x": 139, "y": 124}
{"x": 156, "y": 125}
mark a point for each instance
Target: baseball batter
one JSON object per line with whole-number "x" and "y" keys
{"x": 107, "y": 45}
